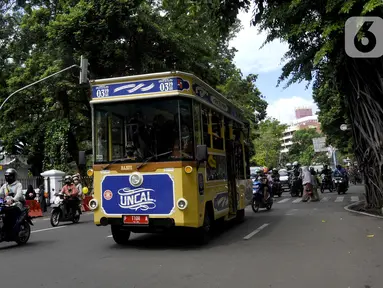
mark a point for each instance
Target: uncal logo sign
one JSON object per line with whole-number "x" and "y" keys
{"x": 154, "y": 197}
{"x": 137, "y": 199}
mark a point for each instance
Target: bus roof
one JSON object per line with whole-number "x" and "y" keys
{"x": 163, "y": 84}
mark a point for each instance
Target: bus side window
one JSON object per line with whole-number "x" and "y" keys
{"x": 216, "y": 120}
{"x": 246, "y": 145}
{"x": 197, "y": 123}
{"x": 205, "y": 126}
{"x": 238, "y": 152}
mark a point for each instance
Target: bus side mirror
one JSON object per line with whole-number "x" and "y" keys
{"x": 81, "y": 158}
{"x": 201, "y": 154}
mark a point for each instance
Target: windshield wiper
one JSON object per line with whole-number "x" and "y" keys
{"x": 151, "y": 157}
{"x": 115, "y": 161}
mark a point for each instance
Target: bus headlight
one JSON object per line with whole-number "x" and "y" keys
{"x": 182, "y": 204}
{"x": 89, "y": 172}
{"x": 93, "y": 204}
{"x": 188, "y": 169}
{"x": 136, "y": 179}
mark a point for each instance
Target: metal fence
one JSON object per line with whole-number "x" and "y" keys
{"x": 37, "y": 181}
{"x": 34, "y": 181}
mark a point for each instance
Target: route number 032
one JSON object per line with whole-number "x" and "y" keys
{"x": 167, "y": 86}
{"x": 101, "y": 93}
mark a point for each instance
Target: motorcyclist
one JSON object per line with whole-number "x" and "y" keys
{"x": 264, "y": 179}
{"x": 12, "y": 193}
{"x": 71, "y": 194}
{"x": 270, "y": 182}
{"x": 326, "y": 171}
{"x": 297, "y": 177}
{"x": 341, "y": 172}
{"x": 76, "y": 181}
{"x": 327, "y": 174}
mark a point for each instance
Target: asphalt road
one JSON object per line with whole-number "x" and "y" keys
{"x": 295, "y": 245}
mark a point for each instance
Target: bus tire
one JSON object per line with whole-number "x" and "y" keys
{"x": 120, "y": 236}
{"x": 204, "y": 232}
{"x": 240, "y": 215}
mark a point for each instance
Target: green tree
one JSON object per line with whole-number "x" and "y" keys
{"x": 119, "y": 38}
{"x": 268, "y": 143}
{"x": 314, "y": 31}
{"x": 302, "y": 149}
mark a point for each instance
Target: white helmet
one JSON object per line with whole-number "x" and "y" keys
{"x": 295, "y": 163}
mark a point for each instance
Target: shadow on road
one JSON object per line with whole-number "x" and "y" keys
{"x": 223, "y": 235}
{"x": 10, "y": 246}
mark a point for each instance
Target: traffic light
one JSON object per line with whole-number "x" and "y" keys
{"x": 2, "y": 149}
{"x": 84, "y": 70}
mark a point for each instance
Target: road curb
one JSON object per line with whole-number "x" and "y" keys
{"x": 348, "y": 208}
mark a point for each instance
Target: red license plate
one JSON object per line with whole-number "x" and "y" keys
{"x": 136, "y": 219}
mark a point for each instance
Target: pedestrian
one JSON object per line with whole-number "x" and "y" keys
{"x": 30, "y": 194}
{"x": 307, "y": 184}
{"x": 315, "y": 183}
{"x": 42, "y": 199}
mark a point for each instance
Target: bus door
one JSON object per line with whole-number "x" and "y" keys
{"x": 231, "y": 178}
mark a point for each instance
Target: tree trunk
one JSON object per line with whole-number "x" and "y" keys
{"x": 363, "y": 84}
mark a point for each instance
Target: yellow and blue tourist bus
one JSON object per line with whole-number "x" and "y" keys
{"x": 169, "y": 151}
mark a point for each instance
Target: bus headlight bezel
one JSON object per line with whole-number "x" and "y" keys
{"x": 182, "y": 203}
{"x": 93, "y": 204}
{"x": 136, "y": 179}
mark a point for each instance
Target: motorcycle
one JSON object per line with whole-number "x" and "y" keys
{"x": 277, "y": 187}
{"x": 340, "y": 185}
{"x": 326, "y": 184}
{"x": 258, "y": 197}
{"x": 59, "y": 210}
{"x": 296, "y": 187}
{"x": 21, "y": 231}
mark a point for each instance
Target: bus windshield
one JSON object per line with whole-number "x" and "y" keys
{"x": 134, "y": 131}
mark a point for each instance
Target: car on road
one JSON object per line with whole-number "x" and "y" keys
{"x": 284, "y": 179}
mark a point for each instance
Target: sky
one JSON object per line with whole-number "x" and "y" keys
{"x": 266, "y": 62}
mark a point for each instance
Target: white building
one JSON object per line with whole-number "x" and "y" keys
{"x": 301, "y": 123}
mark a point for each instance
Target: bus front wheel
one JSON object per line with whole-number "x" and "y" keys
{"x": 120, "y": 236}
{"x": 204, "y": 232}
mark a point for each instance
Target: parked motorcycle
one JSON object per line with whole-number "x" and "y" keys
{"x": 258, "y": 197}
{"x": 60, "y": 212}
{"x": 340, "y": 185}
{"x": 326, "y": 183}
{"x": 21, "y": 230}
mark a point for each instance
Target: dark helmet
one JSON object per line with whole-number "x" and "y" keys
{"x": 338, "y": 167}
{"x": 10, "y": 175}
{"x": 325, "y": 166}
{"x": 68, "y": 179}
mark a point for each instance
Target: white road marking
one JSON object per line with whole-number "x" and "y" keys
{"x": 259, "y": 229}
{"x": 297, "y": 200}
{"x": 325, "y": 199}
{"x": 354, "y": 198}
{"x": 48, "y": 229}
{"x": 339, "y": 199}
{"x": 291, "y": 212}
{"x": 284, "y": 200}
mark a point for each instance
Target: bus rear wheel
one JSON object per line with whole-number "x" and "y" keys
{"x": 120, "y": 236}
